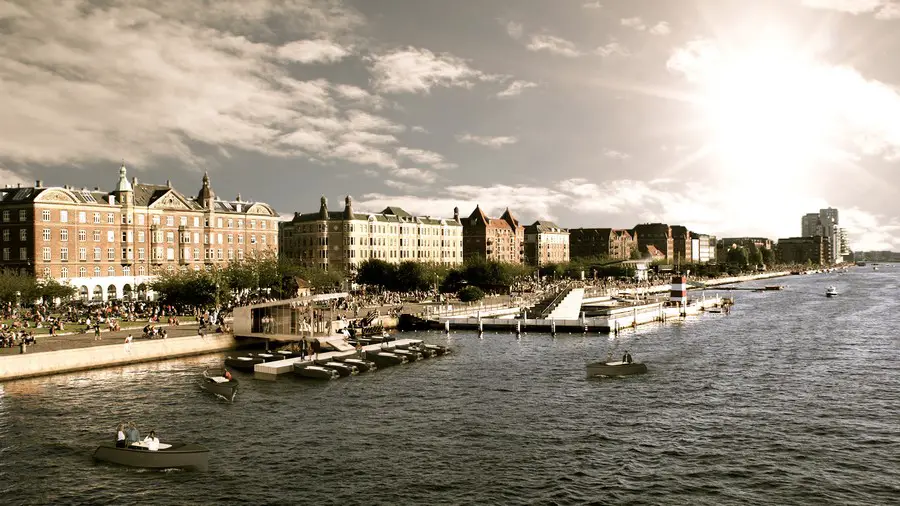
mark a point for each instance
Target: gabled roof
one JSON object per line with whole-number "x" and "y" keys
{"x": 396, "y": 211}
{"x": 508, "y": 217}
{"x": 544, "y": 226}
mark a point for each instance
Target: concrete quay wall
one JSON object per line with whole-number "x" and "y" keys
{"x": 96, "y": 357}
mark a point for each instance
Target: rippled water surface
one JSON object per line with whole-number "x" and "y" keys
{"x": 793, "y": 398}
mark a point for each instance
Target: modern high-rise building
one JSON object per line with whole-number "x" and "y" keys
{"x": 342, "y": 240}
{"x": 110, "y": 244}
{"x": 825, "y": 223}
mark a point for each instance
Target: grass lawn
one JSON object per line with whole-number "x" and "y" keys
{"x": 79, "y": 328}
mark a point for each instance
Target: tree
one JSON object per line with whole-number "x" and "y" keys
{"x": 768, "y": 256}
{"x": 374, "y": 272}
{"x": 191, "y": 288}
{"x": 737, "y": 256}
{"x": 410, "y": 276}
{"x": 471, "y": 294}
{"x": 754, "y": 256}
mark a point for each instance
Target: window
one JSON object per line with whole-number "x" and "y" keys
{"x": 126, "y": 271}
{"x": 264, "y": 238}
{"x": 97, "y": 272}
{"x": 197, "y": 253}
{"x": 124, "y": 236}
{"x": 196, "y": 237}
{"x": 142, "y": 271}
{"x": 6, "y": 253}
{"x": 5, "y": 235}
{"x": 82, "y": 254}
{"x": 64, "y": 254}
{"x": 64, "y": 235}
{"x": 141, "y": 255}
{"x": 183, "y": 221}
{"x": 170, "y": 253}
{"x": 170, "y": 221}
{"x": 111, "y": 271}
{"x": 124, "y": 219}
{"x": 46, "y": 254}
{"x": 97, "y": 218}
{"x": 241, "y": 239}
{"x": 45, "y": 215}
{"x": 196, "y": 221}
{"x": 170, "y": 236}
{"x": 262, "y": 225}
{"x": 240, "y": 223}
{"x": 23, "y": 253}
{"x": 230, "y": 239}
{"x": 23, "y": 234}
{"x": 110, "y": 254}
{"x": 220, "y": 238}
{"x": 241, "y": 255}
{"x": 253, "y": 224}
{"x": 230, "y": 254}
{"x": 155, "y": 219}
{"x": 205, "y": 238}
{"x": 96, "y": 254}
{"x": 219, "y": 222}
{"x": 110, "y": 219}
{"x": 46, "y": 234}
{"x": 253, "y": 239}
{"x": 64, "y": 273}
{"x": 124, "y": 253}
{"x": 64, "y": 216}
{"x": 82, "y": 235}
{"x": 82, "y": 217}
{"x": 110, "y": 236}
{"x": 219, "y": 254}
{"x": 140, "y": 219}
{"x": 5, "y": 216}
{"x": 140, "y": 236}
{"x": 230, "y": 223}
{"x": 23, "y": 215}
{"x": 82, "y": 272}
{"x": 46, "y": 272}
{"x": 96, "y": 236}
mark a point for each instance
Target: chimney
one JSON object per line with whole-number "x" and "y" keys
{"x": 96, "y": 188}
{"x": 18, "y": 185}
{"x": 134, "y": 181}
{"x": 169, "y": 183}
{"x": 38, "y": 184}
{"x": 112, "y": 200}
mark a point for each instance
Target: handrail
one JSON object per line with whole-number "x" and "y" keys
{"x": 556, "y": 300}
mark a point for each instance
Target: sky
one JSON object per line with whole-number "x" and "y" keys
{"x": 730, "y": 117}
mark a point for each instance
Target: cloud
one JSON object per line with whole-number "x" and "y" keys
{"x": 848, "y": 6}
{"x": 591, "y": 5}
{"x": 870, "y": 232}
{"x": 636, "y": 22}
{"x": 313, "y": 51}
{"x": 413, "y": 70}
{"x": 612, "y": 49}
{"x": 516, "y": 88}
{"x": 661, "y": 28}
{"x": 400, "y": 185}
{"x": 616, "y": 155}
{"x": 435, "y": 160}
{"x": 491, "y": 142}
{"x": 146, "y": 80}
{"x": 419, "y": 129}
{"x": 514, "y": 30}
{"x": 420, "y": 175}
{"x": 889, "y": 11}
{"x": 553, "y": 44}
{"x": 8, "y": 177}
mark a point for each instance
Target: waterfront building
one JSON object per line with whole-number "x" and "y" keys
{"x": 703, "y": 248}
{"x": 825, "y": 223}
{"x": 342, "y": 240}
{"x": 658, "y": 235}
{"x": 810, "y": 225}
{"x": 110, "y": 244}
{"x": 500, "y": 239}
{"x": 802, "y": 250}
{"x": 615, "y": 244}
{"x": 546, "y": 243}
{"x": 681, "y": 245}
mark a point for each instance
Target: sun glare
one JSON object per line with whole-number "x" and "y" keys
{"x": 764, "y": 112}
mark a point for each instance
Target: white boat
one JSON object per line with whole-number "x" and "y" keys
{"x": 831, "y": 292}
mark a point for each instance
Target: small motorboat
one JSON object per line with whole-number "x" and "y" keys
{"x": 831, "y": 292}
{"x": 244, "y": 363}
{"x": 618, "y": 368}
{"x": 437, "y": 349}
{"x": 411, "y": 356}
{"x": 342, "y": 368}
{"x": 384, "y": 359}
{"x": 215, "y": 381}
{"x": 169, "y": 456}
{"x": 362, "y": 365}
{"x": 315, "y": 372}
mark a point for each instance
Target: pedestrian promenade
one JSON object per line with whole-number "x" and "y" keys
{"x": 68, "y": 341}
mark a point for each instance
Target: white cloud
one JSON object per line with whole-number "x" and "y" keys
{"x": 591, "y": 5}
{"x": 636, "y": 22}
{"x": 359, "y": 96}
{"x": 419, "y": 129}
{"x": 420, "y": 175}
{"x": 848, "y": 6}
{"x": 516, "y": 88}
{"x": 870, "y": 232}
{"x": 313, "y": 51}
{"x": 435, "y": 160}
{"x": 400, "y": 185}
{"x": 364, "y": 137}
{"x": 889, "y": 11}
{"x": 514, "y": 29}
{"x": 491, "y": 142}
{"x": 661, "y": 28}
{"x": 8, "y": 177}
{"x": 611, "y": 49}
{"x": 363, "y": 155}
{"x": 553, "y": 44}
{"x": 413, "y": 70}
{"x": 616, "y": 155}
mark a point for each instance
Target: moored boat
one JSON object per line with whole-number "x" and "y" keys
{"x": 362, "y": 365}
{"x": 617, "y": 368}
{"x": 215, "y": 381}
{"x": 315, "y": 372}
{"x": 410, "y": 355}
{"x": 342, "y": 369}
{"x": 384, "y": 359}
{"x": 244, "y": 363}
{"x": 169, "y": 456}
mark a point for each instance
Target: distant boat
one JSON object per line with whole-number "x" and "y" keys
{"x": 619, "y": 368}
{"x": 831, "y": 292}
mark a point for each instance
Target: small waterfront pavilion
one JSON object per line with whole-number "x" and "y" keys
{"x": 289, "y": 319}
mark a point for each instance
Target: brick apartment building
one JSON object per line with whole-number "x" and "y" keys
{"x": 658, "y": 235}
{"x": 500, "y": 239}
{"x": 802, "y": 250}
{"x": 343, "y": 240}
{"x": 110, "y": 244}
{"x": 615, "y": 244}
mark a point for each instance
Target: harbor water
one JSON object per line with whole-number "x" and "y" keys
{"x": 792, "y": 398}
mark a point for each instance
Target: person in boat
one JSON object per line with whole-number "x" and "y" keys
{"x": 120, "y": 436}
{"x": 152, "y": 441}
{"x": 227, "y": 375}
{"x": 132, "y": 435}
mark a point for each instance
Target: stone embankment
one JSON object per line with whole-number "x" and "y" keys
{"x": 95, "y": 357}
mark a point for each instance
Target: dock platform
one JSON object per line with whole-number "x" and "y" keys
{"x": 271, "y": 370}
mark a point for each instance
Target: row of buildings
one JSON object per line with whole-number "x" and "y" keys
{"x": 110, "y": 244}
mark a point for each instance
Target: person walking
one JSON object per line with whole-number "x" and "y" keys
{"x": 128, "y": 341}
{"x": 97, "y": 331}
